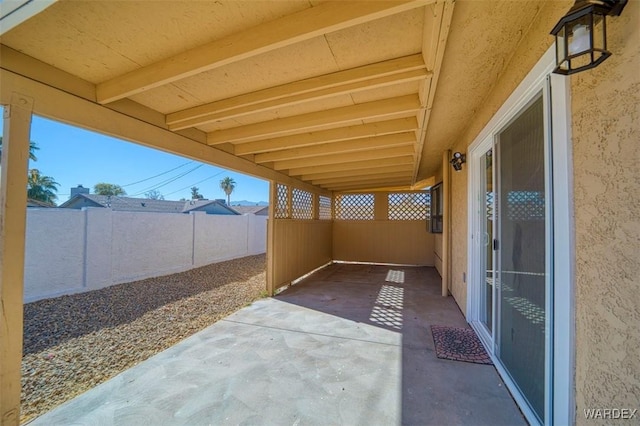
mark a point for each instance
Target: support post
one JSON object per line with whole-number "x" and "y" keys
{"x": 270, "y": 237}
{"x": 446, "y": 220}
{"x": 315, "y": 207}
{"x": 289, "y": 202}
{"x": 381, "y": 206}
{"x": 13, "y": 216}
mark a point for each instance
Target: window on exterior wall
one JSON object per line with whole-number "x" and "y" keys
{"x": 354, "y": 207}
{"x": 436, "y": 215}
{"x": 408, "y": 205}
{"x": 324, "y": 207}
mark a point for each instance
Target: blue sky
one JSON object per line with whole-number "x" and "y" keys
{"x": 75, "y": 156}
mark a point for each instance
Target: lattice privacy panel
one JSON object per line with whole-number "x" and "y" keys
{"x": 525, "y": 205}
{"x": 355, "y": 207}
{"x": 282, "y": 201}
{"x": 324, "y": 208}
{"x": 301, "y": 204}
{"x": 408, "y": 206}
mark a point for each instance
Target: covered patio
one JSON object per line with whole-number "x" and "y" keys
{"x": 350, "y": 344}
{"x": 352, "y": 110}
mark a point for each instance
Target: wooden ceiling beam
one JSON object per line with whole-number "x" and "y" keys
{"x": 364, "y": 144}
{"x": 60, "y": 105}
{"x": 374, "y": 154}
{"x": 381, "y": 74}
{"x": 377, "y": 128}
{"x": 353, "y": 165}
{"x": 375, "y": 189}
{"x": 357, "y": 172}
{"x": 382, "y": 183}
{"x": 360, "y": 179}
{"x": 295, "y": 28}
{"x": 309, "y": 121}
{"x": 437, "y": 24}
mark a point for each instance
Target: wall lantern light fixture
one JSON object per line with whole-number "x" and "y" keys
{"x": 458, "y": 160}
{"x": 581, "y": 35}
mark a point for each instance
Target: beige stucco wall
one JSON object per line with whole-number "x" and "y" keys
{"x": 606, "y": 153}
{"x": 459, "y": 236}
{"x": 606, "y": 150}
{"x": 528, "y": 52}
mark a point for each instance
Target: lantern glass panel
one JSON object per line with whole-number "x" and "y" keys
{"x": 579, "y": 35}
{"x": 599, "y": 34}
{"x": 561, "y": 49}
{"x": 586, "y": 43}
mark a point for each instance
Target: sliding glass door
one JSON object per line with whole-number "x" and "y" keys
{"x": 521, "y": 247}
{"x": 520, "y": 251}
{"x": 513, "y": 229}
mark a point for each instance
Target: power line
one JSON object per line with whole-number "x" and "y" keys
{"x": 167, "y": 181}
{"x": 152, "y": 177}
{"x": 200, "y": 181}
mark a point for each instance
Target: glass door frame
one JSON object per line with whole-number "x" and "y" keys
{"x": 476, "y": 278}
{"x": 477, "y": 154}
{"x": 559, "y": 327}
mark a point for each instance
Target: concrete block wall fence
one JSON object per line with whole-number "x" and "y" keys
{"x": 73, "y": 251}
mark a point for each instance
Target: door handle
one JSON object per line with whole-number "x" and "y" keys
{"x": 496, "y": 246}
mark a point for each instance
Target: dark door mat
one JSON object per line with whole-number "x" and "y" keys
{"x": 459, "y": 344}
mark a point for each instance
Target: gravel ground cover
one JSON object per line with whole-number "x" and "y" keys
{"x": 73, "y": 343}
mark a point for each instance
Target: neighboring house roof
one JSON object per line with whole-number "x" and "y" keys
{"x": 145, "y": 205}
{"x": 123, "y": 203}
{"x": 210, "y": 206}
{"x": 257, "y": 210}
{"x": 37, "y": 203}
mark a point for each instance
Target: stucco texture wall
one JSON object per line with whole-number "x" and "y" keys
{"x": 459, "y": 236}
{"x": 533, "y": 45}
{"x": 606, "y": 154}
{"x": 606, "y": 159}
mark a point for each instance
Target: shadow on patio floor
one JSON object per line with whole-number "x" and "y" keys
{"x": 349, "y": 345}
{"x": 407, "y": 300}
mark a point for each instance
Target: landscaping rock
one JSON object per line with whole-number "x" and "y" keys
{"x": 73, "y": 343}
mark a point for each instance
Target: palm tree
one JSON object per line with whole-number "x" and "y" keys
{"x": 41, "y": 188}
{"x": 32, "y": 148}
{"x": 228, "y": 185}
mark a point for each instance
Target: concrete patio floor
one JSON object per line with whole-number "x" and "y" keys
{"x": 349, "y": 345}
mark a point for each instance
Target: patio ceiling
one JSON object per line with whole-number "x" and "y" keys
{"x": 338, "y": 95}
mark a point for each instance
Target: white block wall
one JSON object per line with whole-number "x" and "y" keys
{"x": 150, "y": 244}
{"x": 55, "y": 252}
{"x": 71, "y": 251}
{"x": 257, "y": 240}
{"x": 219, "y": 238}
